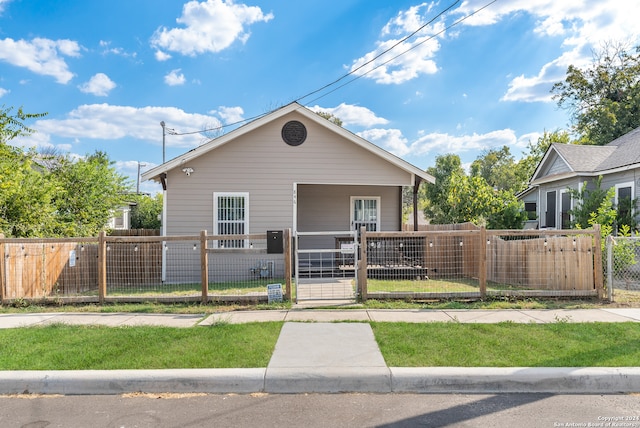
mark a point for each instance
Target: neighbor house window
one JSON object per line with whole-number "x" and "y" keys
{"x": 565, "y": 209}
{"x": 530, "y": 208}
{"x": 624, "y": 196}
{"x": 231, "y": 217}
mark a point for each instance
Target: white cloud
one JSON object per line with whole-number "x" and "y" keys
{"x": 108, "y": 50}
{"x": 352, "y": 115}
{"x": 3, "y": 3}
{"x": 41, "y": 56}
{"x": 174, "y": 78}
{"x": 98, "y": 85}
{"x": 444, "y": 143}
{"x": 209, "y": 26}
{"x": 391, "y": 140}
{"x": 111, "y": 122}
{"x": 230, "y": 114}
{"x": 583, "y": 24}
{"x": 3, "y": 92}
{"x": 162, "y": 56}
{"x": 409, "y": 59}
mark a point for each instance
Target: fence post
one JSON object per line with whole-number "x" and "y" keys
{"x": 482, "y": 275}
{"x": 3, "y": 279}
{"x": 609, "y": 243}
{"x": 597, "y": 261}
{"x": 362, "y": 266}
{"x": 102, "y": 266}
{"x": 204, "y": 266}
{"x": 287, "y": 264}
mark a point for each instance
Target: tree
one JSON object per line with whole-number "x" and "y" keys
{"x": 26, "y": 195}
{"x": 497, "y": 167}
{"x": 604, "y": 98}
{"x": 90, "y": 190}
{"x": 47, "y": 194}
{"x": 145, "y": 214}
{"x": 595, "y": 205}
{"x": 12, "y": 125}
{"x": 330, "y": 117}
{"x": 436, "y": 194}
{"x": 526, "y": 166}
{"x": 472, "y": 199}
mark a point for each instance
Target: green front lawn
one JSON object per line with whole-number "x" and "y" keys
{"x": 560, "y": 344}
{"x": 67, "y": 347}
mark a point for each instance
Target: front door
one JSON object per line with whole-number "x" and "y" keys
{"x": 550, "y": 217}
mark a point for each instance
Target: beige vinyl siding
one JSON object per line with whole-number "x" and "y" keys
{"x": 327, "y": 208}
{"x": 260, "y": 163}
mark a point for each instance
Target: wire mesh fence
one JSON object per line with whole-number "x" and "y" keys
{"x": 471, "y": 263}
{"x": 138, "y": 268}
{"x": 477, "y": 263}
{"x": 622, "y": 269}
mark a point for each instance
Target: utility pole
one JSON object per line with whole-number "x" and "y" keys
{"x": 138, "y": 182}
{"x": 163, "y": 138}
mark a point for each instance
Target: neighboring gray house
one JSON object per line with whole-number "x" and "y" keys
{"x": 288, "y": 169}
{"x": 568, "y": 166}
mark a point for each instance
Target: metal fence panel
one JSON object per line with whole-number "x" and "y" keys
{"x": 622, "y": 270}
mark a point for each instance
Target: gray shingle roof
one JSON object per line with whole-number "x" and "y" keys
{"x": 627, "y": 151}
{"x": 584, "y": 158}
{"x": 623, "y": 151}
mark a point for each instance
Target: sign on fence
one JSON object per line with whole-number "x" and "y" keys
{"x": 274, "y": 293}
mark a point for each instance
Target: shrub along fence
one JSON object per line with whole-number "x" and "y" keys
{"x": 466, "y": 262}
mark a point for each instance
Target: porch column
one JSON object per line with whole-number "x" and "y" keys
{"x": 416, "y": 186}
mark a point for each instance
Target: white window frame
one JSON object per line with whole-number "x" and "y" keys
{"x": 559, "y": 220}
{"x": 622, "y": 186}
{"x": 353, "y": 199}
{"x": 216, "y": 230}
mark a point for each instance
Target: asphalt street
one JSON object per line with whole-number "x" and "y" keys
{"x": 320, "y": 410}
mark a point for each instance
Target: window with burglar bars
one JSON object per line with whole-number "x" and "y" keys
{"x": 365, "y": 212}
{"x": 231, "y": 211}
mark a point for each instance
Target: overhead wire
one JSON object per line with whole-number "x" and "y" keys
{"x": 355, "y": 70}
{"x": 408, "y": 50}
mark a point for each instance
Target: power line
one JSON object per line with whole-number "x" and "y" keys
{"x": 352, "y": 72}
{"x": 408, "y": 50}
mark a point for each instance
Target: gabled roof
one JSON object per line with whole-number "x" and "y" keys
{"x": 156, "y": 173}
{"x": 583, "y": 160}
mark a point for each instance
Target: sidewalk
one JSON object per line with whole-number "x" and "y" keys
{"x": 316, "y": 352}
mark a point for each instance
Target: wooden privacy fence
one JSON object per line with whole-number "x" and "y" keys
{"x": 466, "y": 261}
{"x": 450, "y": 262}
{"x": 134, "y": 268}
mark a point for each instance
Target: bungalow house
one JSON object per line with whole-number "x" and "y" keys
{"x": 289, "y": 169}
{"x": 568, "y": 166}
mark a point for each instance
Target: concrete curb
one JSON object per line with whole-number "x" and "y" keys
{"x": 113, "y": 382}
{"x": 564, "y": 380}
{"x": 328, "y": 380}
{"x": 561, "y": 380}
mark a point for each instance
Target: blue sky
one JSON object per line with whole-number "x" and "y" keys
{"x": 107, "y": 72}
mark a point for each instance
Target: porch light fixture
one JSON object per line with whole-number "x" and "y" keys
{"x": 188, "y": 171}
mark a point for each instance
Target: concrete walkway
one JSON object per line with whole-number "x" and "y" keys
{"x": 326, "y": 351}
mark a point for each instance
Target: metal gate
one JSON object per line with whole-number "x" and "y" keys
{"x": 326, "y": 265}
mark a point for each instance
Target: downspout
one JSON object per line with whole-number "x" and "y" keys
{"x": 416, "y": 186}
